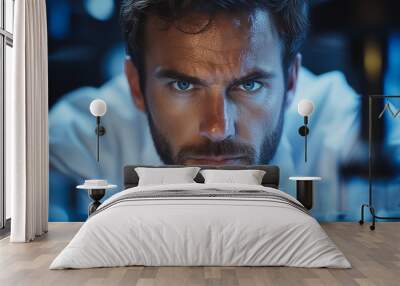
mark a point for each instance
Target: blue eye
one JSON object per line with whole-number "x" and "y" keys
{"x": 250, "y": 86}
{"x": 182, "y": 85}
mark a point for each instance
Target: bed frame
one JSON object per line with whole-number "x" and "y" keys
{"x": 270, "y": 179}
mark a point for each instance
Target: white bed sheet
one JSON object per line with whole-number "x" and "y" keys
{"x": 200, "y": 232}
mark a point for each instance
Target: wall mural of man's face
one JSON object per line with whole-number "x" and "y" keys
{"x": 216, "y": 96}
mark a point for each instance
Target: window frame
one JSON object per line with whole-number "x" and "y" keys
{"x": 6, "y": 39}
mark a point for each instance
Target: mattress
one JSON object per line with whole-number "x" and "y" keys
{"x": 201, "y": 225}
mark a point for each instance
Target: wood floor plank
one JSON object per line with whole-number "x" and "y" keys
{"x": 375, "y": 257}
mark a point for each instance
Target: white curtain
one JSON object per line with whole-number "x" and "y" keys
{"x": 26, "y": 123}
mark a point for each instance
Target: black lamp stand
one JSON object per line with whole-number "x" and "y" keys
{"x": 304, "y": 131}
{"x": 100, "y": 131}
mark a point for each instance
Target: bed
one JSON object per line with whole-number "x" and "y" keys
{"x": 199, "y": 224}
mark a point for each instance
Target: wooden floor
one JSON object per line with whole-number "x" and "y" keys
{"x": 375, "y": 257}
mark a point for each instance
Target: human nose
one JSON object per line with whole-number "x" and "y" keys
{"x": 218, "y": 122}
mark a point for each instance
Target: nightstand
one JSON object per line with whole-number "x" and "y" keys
{"x": 304, "y": 190}
{"x": 96, "y": 190}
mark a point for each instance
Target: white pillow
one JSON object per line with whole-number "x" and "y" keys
{"x": 248, "y": 177}
{"x": 162, "y": 176}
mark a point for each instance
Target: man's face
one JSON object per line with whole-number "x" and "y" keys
{"x": 216, "y": 96}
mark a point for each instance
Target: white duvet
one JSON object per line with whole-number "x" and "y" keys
{"x": 188, "y": 231}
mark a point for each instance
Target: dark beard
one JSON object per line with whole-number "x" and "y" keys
{"x": 270, "y": 142}
{"x": 224, "y": 147}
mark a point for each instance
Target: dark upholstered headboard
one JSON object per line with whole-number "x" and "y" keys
{"x": 270, "y": 179}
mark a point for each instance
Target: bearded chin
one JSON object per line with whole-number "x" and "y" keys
{"x": 264, "y": 156}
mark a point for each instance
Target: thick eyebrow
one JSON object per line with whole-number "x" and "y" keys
{"x": 173, "y": 74}
{"x": 254, "y": 75}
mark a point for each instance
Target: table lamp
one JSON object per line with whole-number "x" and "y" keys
{"x": 305, "y": 108}
{"x": 98, "y": 108}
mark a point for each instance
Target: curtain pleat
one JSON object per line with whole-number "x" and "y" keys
{"x": 27, "y": 137}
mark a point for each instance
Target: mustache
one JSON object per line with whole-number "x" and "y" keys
{"x": 227, "y": 147}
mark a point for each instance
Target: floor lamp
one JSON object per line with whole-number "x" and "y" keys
{"x": 370, "y": 205}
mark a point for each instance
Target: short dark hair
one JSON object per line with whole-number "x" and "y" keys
{"x": 289, "y": 16}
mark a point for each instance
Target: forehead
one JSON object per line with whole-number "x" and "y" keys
{"x": 229, "y": 41}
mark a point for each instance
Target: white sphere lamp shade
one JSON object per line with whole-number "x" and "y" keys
{"x": 98, "y": 107}
{"x": 305, "y": 107}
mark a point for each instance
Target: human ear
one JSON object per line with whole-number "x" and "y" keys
{"x": 132, "y": 75}
{"x": 292, "y": 79}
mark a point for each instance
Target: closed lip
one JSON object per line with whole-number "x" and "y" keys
{"x": 215, "y": 160}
